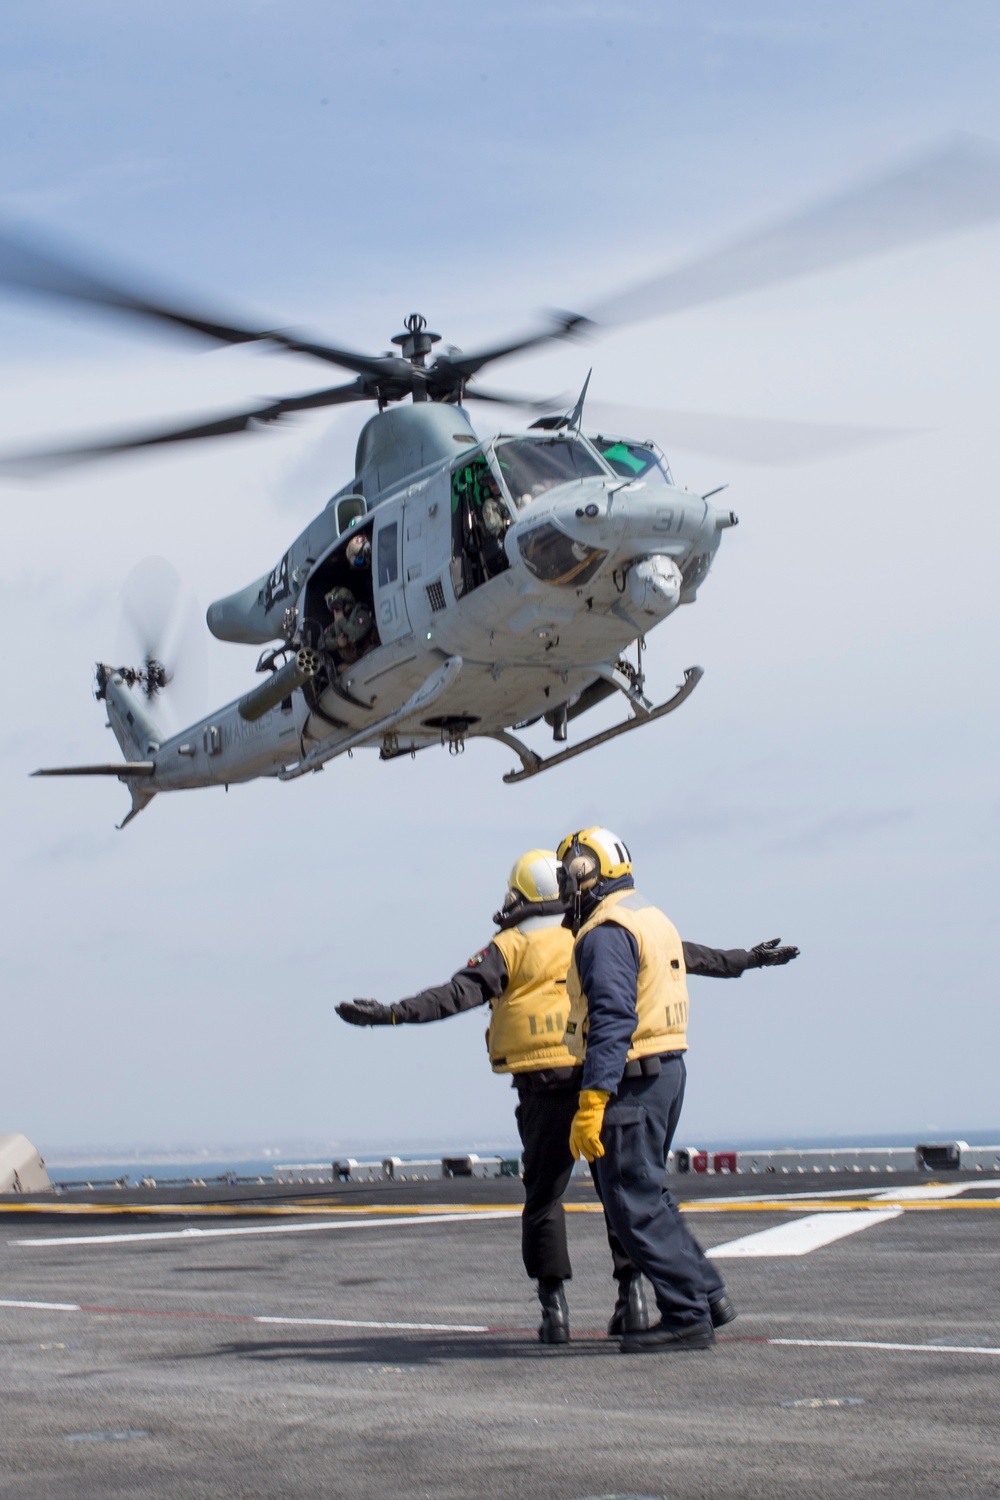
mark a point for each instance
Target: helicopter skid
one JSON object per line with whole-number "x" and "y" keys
{"x": 532, "y": 763}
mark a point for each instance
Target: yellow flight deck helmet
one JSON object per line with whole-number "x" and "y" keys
{"x": 533, "y": 877}
{"x": 588, "y": 856}
{"x": 533, "y": 884}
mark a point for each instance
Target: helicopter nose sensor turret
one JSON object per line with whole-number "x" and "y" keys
{"x": 654, "y": 585}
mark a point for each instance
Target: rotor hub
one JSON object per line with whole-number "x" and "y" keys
{"x": 416, "y": 342}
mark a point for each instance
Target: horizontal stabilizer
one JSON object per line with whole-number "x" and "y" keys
{"x": 124, "y": 770}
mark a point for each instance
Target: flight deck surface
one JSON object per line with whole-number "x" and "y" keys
{"x": 379, "y": 1340}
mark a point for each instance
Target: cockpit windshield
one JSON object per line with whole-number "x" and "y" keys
{"x": 530, "y": 466}
{"x": 632, "y": 460}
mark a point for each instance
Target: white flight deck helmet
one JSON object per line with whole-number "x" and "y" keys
{"x": 533, "y": 883}
{"x": 588, "y": 856}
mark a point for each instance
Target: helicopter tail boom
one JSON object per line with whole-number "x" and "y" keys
{"x": 129, "y": 719}
{"x": 136, "y": 732}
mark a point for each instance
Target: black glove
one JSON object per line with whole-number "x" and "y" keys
{"x": 372, "y": 1012}
{"x": 765, "y": 955}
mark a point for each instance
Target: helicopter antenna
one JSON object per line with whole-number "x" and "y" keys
{"x": 576, "y": 415}
{"x": 570, "y": 420}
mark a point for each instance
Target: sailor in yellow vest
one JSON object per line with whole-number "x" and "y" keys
{"x": 628, "y": 1012}
{"x": 521, "y": 974}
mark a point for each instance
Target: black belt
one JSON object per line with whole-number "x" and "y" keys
{"x": 649, "y": 1067}
{"x": 548, "y": 1080}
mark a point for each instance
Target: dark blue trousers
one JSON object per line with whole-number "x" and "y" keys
{"x": 639, "y": 1125}
{"x": 544, "y": 1116}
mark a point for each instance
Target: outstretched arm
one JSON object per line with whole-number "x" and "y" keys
{"x": 484, "y": 978}
{"x": 730, "y": 963}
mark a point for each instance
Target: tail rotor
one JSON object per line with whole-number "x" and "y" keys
{"x": 161, "y": 628}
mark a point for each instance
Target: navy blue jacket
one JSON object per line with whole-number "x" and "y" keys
{"x": 607, "y": 961}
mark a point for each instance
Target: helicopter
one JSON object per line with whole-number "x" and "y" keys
{"x": 456, "y": 587}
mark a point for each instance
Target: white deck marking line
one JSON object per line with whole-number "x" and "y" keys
{"x": 132, "y": 1312}
{"x": 359, "y": 1323}
{"x": 802, "y": 1236}
{"x": 193, "y": 1233}
{"x": 863, "y": 1190}
{"x": 43, "y": 1306}
{"x": 895, "y": 1348}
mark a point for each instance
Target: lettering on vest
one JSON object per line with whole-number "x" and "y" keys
{"x": 529, "y": 1017}
{"x": 549, "y": 1022}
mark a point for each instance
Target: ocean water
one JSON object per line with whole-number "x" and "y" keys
{"x": 163, "y": 1170}
{"x": 163, "y": 1167}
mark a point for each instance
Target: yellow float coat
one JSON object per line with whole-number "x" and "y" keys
{"x": 528, "y": 1021}
{"x": 661, "y": 998}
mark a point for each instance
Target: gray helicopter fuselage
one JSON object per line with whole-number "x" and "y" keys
{"x": 525, "y": 618}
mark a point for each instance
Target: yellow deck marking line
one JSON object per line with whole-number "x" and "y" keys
{"x": 250, "y": 1210}
{"x": 770, "y": 1206}
{"x": 323, "y": 1210}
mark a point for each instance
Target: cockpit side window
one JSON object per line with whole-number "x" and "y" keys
{"x": 633, "y": 460}
{"x": 479, "y": 522}
{"x": 530, "y": 466}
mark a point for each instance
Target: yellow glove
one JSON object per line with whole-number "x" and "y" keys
{"x": 585, "y": 1131}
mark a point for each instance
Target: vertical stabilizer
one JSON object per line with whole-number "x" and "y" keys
{"x": 133, "y": 725}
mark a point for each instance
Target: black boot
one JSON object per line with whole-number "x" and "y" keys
{"x": 631, "y": 1314}
{"x": 662, "y": 1339}
{"x": 554, "y": 1327}
{"x": 722, "y": 1310}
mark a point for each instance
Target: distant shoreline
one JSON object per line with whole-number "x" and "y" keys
{"x": 185, "y": 1162}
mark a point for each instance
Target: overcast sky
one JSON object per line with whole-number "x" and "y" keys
{"x": 833, "y": 779}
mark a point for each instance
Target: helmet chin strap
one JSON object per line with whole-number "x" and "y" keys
{"x": 577, "y": 910}
{"x": 572, "y": 889}
{"x": 518, "y": 911}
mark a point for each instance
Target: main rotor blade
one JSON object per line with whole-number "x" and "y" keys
{"x": 511, "y": 398}
{"x": 751, "y": 440}
{"x": 48, "y": 459}
{"x": 464, "y": 366}
{"x": 953, "y": 187}
{"x": 50, "y": 273}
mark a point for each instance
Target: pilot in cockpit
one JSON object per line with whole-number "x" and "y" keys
{"x": 493, "y": 511}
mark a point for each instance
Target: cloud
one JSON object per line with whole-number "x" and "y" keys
{"x": 127, "y": 171}
{"x": 844, "y": 828}
{"x": 671, "y": 829}
{"x": 73, "y": 849}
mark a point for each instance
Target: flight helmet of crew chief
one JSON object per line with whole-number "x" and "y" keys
{"x": 588, "y": 856}
{"x": 532, "y": 887}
